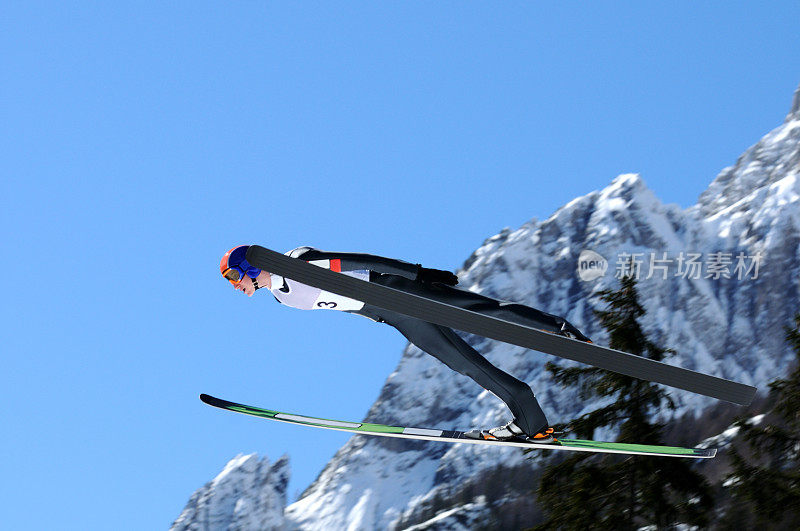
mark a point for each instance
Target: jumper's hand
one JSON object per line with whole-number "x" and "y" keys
{"x": 436, "y": 275}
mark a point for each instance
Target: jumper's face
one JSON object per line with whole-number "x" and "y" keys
{"x": 245, "y": 285}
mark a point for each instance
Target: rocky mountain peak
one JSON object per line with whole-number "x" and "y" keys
{"x": 773, "y": 158}
{"x": 794, "y": 113}
{"x": 249, "y": 493}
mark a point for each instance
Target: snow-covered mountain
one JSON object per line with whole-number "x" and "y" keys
{"x": 719, "y": 281}
{"x": 250, "y": 493}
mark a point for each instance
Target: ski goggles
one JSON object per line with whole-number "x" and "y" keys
{"x": 234, "y": 274}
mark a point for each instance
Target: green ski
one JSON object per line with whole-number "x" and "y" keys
{"x": 458, "y": 436}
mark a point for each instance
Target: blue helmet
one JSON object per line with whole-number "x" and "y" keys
{"x": 234, "y": 265}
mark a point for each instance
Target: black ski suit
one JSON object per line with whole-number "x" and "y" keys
{"x": 439, "y": 341}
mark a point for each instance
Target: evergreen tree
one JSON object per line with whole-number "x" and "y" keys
{"x": 768, "y": 484}
{"x": 609, "y": 491}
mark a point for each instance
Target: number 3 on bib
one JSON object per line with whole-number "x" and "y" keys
{"x": 331, "y": 301}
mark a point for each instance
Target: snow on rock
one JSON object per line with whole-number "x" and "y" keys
{"x": 366, "y": 490}
{"x": 463, "y": 518}
{"x": 724, "y": 439}
{"x": 249, "y": 493}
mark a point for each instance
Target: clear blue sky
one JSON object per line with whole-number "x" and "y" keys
{"x": 139, "y": 141}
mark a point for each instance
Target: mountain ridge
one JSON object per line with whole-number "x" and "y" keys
{"x": 718, "y": 323}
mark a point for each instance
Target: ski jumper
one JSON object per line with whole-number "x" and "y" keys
{"x": 438, "y": 341}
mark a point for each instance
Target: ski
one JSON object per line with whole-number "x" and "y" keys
{"x": 425, "y": 434}
{"x": 499, "y": 329}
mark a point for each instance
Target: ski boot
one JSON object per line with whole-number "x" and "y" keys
{"x": 512, "y": 432}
